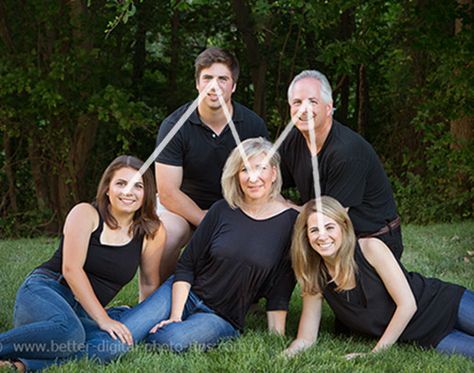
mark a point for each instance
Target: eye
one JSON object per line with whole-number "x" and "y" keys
{"x": 120, "y": 182}
{"x": 139, "y": 185}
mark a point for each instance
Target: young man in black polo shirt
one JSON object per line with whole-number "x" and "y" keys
{"x": 349, "y": 168}
{"x": 189, "y": 169}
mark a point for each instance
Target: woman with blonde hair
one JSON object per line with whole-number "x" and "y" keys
{"x": 370, "y": 291}
{"x": 239, "y": 252}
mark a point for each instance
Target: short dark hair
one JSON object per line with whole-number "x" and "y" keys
{"x": 145, "y": 221}
{"x": 217, "y": 55}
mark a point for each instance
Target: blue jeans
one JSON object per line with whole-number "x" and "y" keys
{"x": 461, "y": 338}
{"x": 51, "y": 327}
{"x": 200, "y": 326}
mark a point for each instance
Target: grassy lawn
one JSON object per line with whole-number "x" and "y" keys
{"x": 444, "y": 251}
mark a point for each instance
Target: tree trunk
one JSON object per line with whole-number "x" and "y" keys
{"x": 9, "y": 159}
{"x": 172, "y": 99}
{"x": 362, "y": 100}
{"x": 258, "y": 66}
{"x": 347, "y": 28}
{"x": 462, "y": 128}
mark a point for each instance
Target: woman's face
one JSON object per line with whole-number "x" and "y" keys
{"x": 124, "y": 197}
{"x": 324, "y": 235}
{"x": 257, "y": 184}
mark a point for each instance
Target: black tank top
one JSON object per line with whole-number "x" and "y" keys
{"x": 437, "y": 305}
{"x": 108, "y": 267}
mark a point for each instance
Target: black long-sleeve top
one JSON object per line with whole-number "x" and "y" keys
{"x": 233, "y": 259}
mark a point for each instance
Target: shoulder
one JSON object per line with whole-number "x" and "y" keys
{"x": 174, "y": 117}
{"x": 82, "y": 215}
{"x": 375, "y": 251}
{"x": 158, "y": 240}
{"x": 248, "y": 117}
{"x": 347, "y": 142}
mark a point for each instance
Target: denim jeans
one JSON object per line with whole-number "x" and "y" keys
{"x": 461, "y": 338}
{"x": 51, "y": 327}
{"x": 200, "y": 326}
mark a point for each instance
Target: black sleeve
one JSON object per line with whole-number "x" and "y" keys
{"x": 347, "y": 181}
{"x": 173, "y": 153}
{"x": 279, "y": 294}
{"x": 195, "y": 256}
{"x": 262, "y": 130}
{"x": 288, "y": 181}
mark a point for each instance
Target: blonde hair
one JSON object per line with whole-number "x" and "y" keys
{"x": 231, "y": 189}
{"x": 308, "y": 265}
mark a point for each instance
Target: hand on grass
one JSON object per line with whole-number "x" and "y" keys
{"x": 354, "y": 355}
{"x": 297, "y": 346}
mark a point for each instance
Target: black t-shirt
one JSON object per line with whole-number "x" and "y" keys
{"x": 108, "y": 267}
{"x": 233, "y": 259}
{"x": 201, "y": 153}
{"x": 371, "y": 310}
{"x": 349, "y": 171}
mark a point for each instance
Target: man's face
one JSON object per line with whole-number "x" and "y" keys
{"x": 317, "y": 111}
{"x": 224, "y": 80}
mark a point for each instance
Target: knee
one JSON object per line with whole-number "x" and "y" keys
{"x": 107, "y": 350}
{"x": 171, "y": 342}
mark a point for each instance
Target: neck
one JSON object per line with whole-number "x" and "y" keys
{"x": 124, "y": 220}
{"x": 321, "y": 135}
{"x": 216, "y": 119}
{"x": 257, "y": 208}
{"x": 330, "y": 264}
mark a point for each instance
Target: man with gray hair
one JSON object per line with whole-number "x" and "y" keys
{"x": 349, "y": 168}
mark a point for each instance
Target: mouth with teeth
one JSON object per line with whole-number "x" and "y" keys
{"x": 127, "y": 201}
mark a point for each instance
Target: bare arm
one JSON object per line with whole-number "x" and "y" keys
{"x": 382, "y": 259}
{"x": 276, "y": 321}
{"x": 179, "y": 297}
{"x": 168, "y": 183}
{"x": 308, "y": 326}
{"x": 150, "y": 264}
{"x": 80, "y": 223}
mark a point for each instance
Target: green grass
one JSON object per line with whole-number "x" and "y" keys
{"x": 436, "y": 251}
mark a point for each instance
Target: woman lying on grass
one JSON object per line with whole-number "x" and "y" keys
{"x": 60, "y": 309}
{"x": 369, "y": 291}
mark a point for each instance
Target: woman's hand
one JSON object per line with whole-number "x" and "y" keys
{"x": 297, "y": 346}
{"x": 354, "y": 355}
{"x": 116, "y": 330}
{"x": 165, "y": 322}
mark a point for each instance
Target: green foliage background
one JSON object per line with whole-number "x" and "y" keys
{"x": 84, "y": 81}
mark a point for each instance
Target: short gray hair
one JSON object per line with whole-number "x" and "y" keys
{"x": 231, "y": 189}
{"x": 326, "y": 91}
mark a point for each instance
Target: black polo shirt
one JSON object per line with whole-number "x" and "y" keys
{"x": 202, "y": 153}
{"x": 349, "y": 170}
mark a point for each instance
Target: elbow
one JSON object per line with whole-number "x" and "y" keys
{"x": 69, "y": 272}
{"x": 410, "y": 308}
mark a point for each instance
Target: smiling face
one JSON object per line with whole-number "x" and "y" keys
{"x": 124, "y": 198}
{"x": 318, "y": 112}
{"x": 324, "y": 235}
{"x": 224, "y": 80}
{"x": 257, "y": 185}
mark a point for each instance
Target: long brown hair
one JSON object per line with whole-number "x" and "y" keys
{"x": 307, "y": 263}
{"x": 145, "y": 220}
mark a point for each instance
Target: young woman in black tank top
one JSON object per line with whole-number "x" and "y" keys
{"x": 60, "y": 308}
{"x": 370, "y": 291}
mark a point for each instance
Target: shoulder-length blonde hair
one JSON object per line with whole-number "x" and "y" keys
{"x": 308, "y": 265}
{"x": 231, "y": 189}
{"x": 145, "y": 220}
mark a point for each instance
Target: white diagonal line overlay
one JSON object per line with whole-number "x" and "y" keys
{"x": 169, "y": 136}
